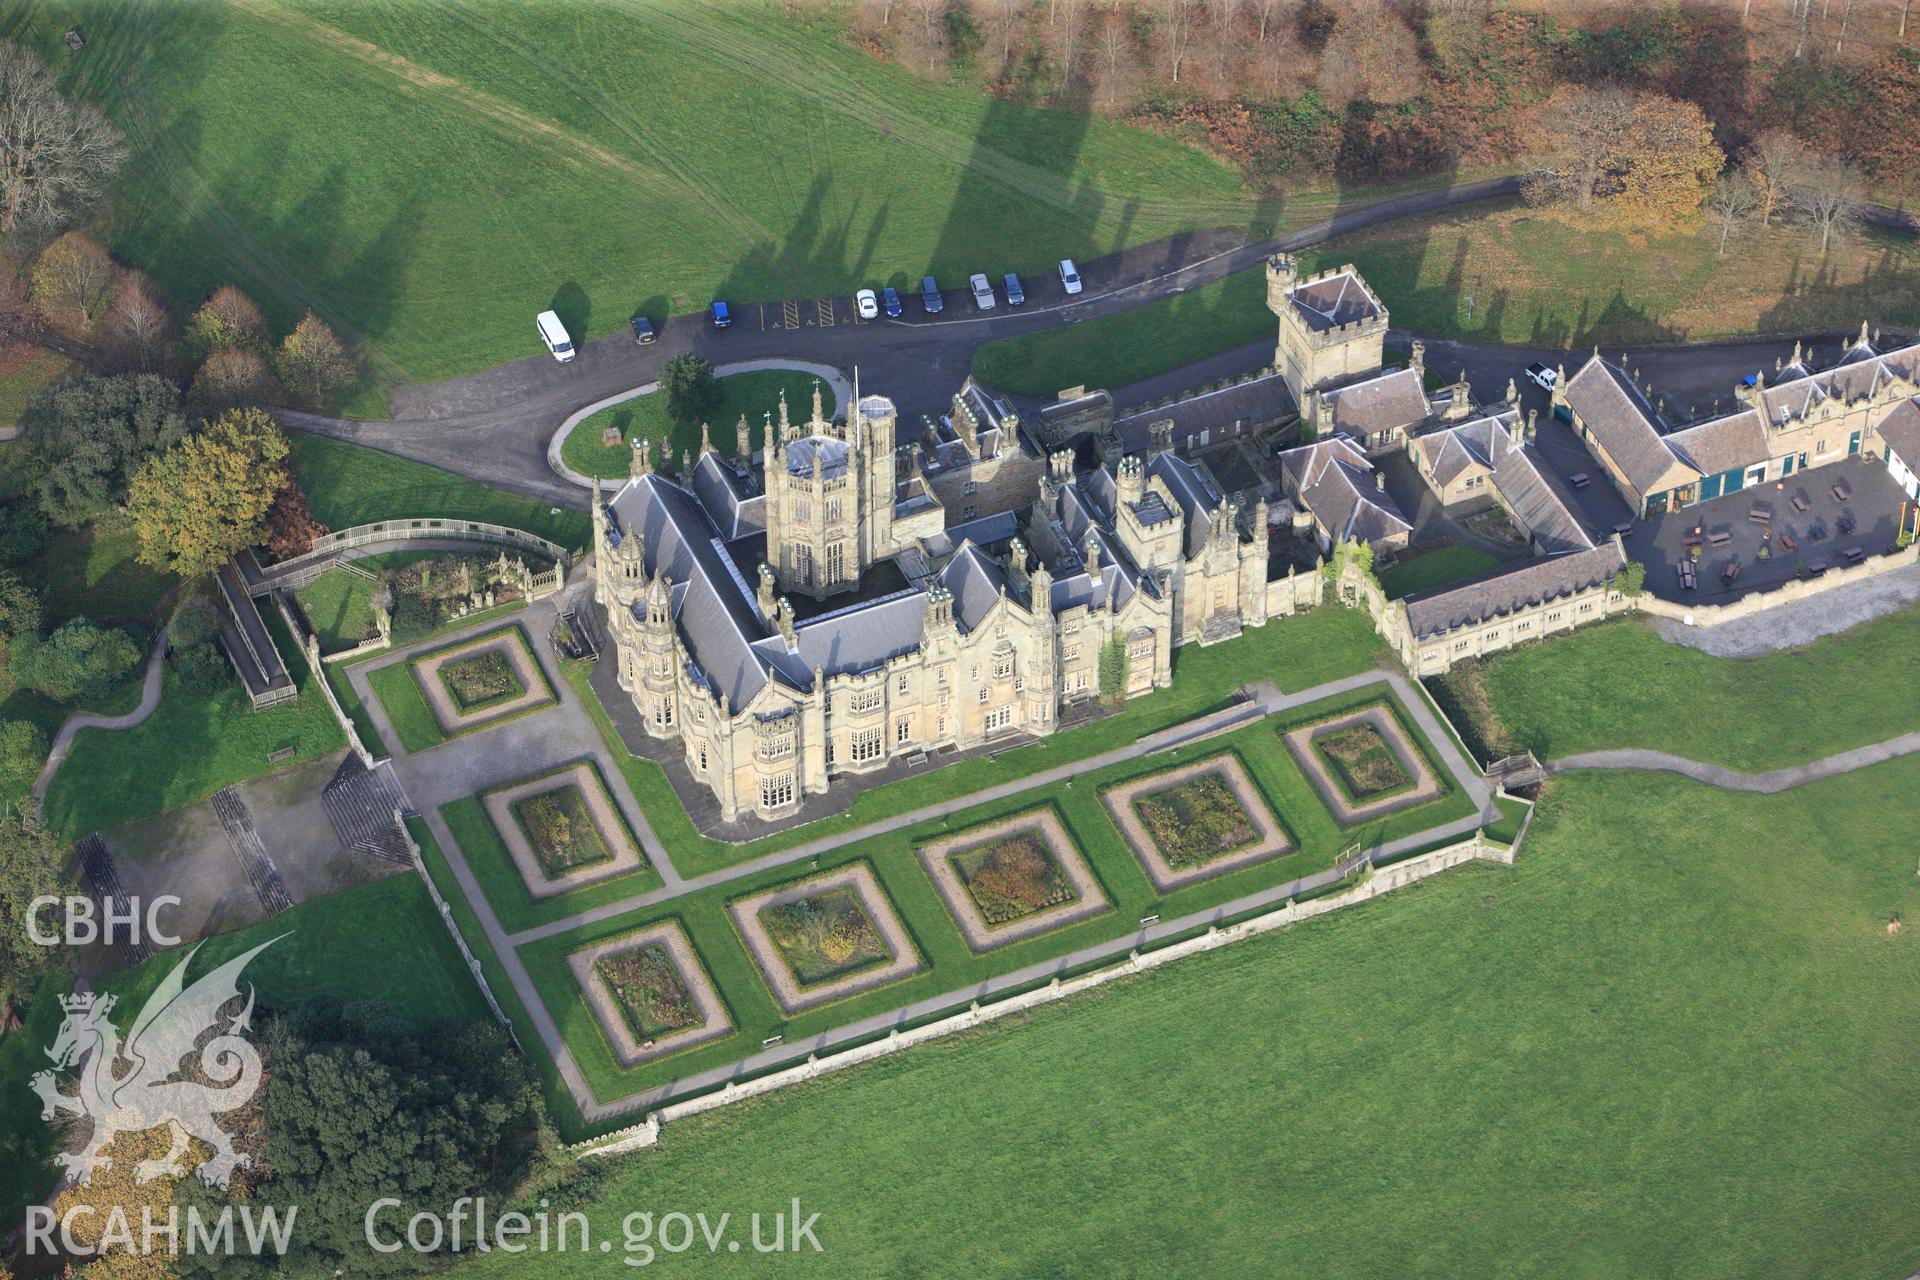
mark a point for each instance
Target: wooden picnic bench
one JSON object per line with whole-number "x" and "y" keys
{"x": 1762, "y": 512}
{"x": 1731, "y": 572}
{"x": 1854, "y": 555}
{"x": 1799, "y": 503}
{"x": 1846, "y": 523}
{"x": 1841, "y": 492}
{"x": 1817, "y": 568}
{"x": 1719, "y": 539}
{"x": 1579, "y": 480}
{"x": 1787, "y": 543}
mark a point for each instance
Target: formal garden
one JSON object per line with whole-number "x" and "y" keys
{"x": 948, "y": 903}
{"x": 1365, "y": 762}
{"x": 563, "y": 830}
{"x": 404, "y": 596}
{"x": 1362, "y": 762}
{"x": 462, "y": 687}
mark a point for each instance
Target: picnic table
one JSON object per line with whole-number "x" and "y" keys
{"x": 1846, "y": 522}
{"x": 1691, "y": 540}
{"x": 1579, "y": 480}
{"x": 1762, "y": 512}
{"x": 1731, "y": 572}
{"x": 1854, "y": 555}
{"x": 1817, "y": 568}
{"x": 1719, "y": 538}
{"x": 1800, "y": 503}
{"x": 1787, "y": 543}
{"x": 1625, "y": 526}
{"x": 1841, "y": 492}
{"x": 1686, "y": 575}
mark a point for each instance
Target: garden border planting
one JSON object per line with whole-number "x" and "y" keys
{"x": 668, "y": 934}
{"x": 1273, "y": 839}
{"x": 499, "y": 802}
{"x": 1412, "y": 762}
{"x": 509, "y": 640}
{"x": 860, "y": 879}
{"x": 938, "y": 856}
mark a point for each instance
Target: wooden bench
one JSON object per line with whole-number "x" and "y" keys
{"x": 1854, "y": 555}
{"x": 1731, "y": 572}
{"x": 1579, "y": 480}
{"x": 1720, "y": 539}
{"x": 1841, "y": 492}
{"x": 1787, "y": 543}
{"x": 1799, "y": 504}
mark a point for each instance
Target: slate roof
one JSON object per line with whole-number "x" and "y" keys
{"x": 736, "y": 507}
{"x": 1389, "y": 401}
{"x": 1258, "y": 400}
{"x": 1901, "y": 430}
{"x": 1863, "y": 376}
{"x": 1618, "y": 415}
{"x": 833, "y": 454}
{"x": 1737, "y": 440}
{"x": 1342, "y": 298}
{"x": 1506, "y": 591}
{"x": 1335, "y": 482}
{"x": 849, "y": 641}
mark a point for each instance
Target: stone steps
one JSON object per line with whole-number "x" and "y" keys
{"x": 251, "y": 852}
{"x": 96, "y": 860}
{"x": 360, "y": 802}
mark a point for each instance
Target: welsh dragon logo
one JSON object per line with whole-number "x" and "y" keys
{"x": 148, "y": 1094}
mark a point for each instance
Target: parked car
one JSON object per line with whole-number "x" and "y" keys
{"x": 722, "y": 315}
{"x": 1016, "y": 296}
{"x": 642, "y": 328}
{"x": 890, "y": 299}
{"x": 554, "y": 335}
{"x": 930, "y": 295}
{"x": 866, "y": 304}
{"x": 1069, "y": 276}
{"x": 1541, "y": 376}
{"x": 982, "y": 291}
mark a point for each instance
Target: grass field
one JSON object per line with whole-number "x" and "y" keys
{"x": 92, "y": 572}
{"x": 952, "y": 965}
{"x": 382, "y": 941}
{"x": 190, "y": 747}
{"x": 1503, "y": 275}
{"x": 1619, "y": 685}
{"x": 1435, "y": 568}
{"x": 762, "y": 154}
{"x": 349, "y": 484}
{"x": 1618, "y": 1057}
{"x": 753, "y": 394}
{"x": 23, "y": 371}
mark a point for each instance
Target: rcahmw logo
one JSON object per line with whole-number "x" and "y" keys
{"x": 174, "y": 1023}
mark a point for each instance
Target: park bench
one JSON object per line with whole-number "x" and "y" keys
{"x": 1800, "y": 503}
{"x": 1787, "y": 543}
{"x": 1854, "y": 554}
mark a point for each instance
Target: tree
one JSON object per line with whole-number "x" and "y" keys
{"x": 23, "y": 529}
{"x": 19, "y": 607}
{"x": 80, "y": 662}
{"x": 923, "y": 40}
{"x": 291, "y": 524}
{"x": 71, "y": 281}
{"x": 1371, "y": 55}
{"x": 1114, "y": 669}
{"x": 1830, "y": 193}
{"x": 1613, "y": 157}
{"x": 203, "y": 668}
{"x": 1175, "y": 20}
{"x": 233, "y": 379}
{"x": 1773, "y": 165}
{"x": 1733, "y": 199}
{"x": 194, "y": 623}
{"x": 23, "y": 749}
{"x": 1631, "y": 579}
{"x": 692, "y": 392}
{"x": 358, "y": 1106}
{"x": 140, "y": 329}
{"x": 200, "y": 502}
{"x": 1113, "y": 45}
{"x": 227, "y": 320}
{"x": 312, "y": 363}
{"x": 1314, "y": 21}
{"x": 56, "y": 156}
{"x": 30, "y": 860}
{"x": 88, "y": 435}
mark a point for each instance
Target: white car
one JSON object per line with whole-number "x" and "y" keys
{"x": 554, "y": 334}
{"x": 1069, "y": 276}
{"x": 982, "y": 291}
{"x": 866, "y": 304}
{"x": 1542, "y": 377}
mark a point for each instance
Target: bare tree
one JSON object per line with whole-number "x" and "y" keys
{"x": 1067, "y": 34}
{"x": 1733, "y": 199}
{"x": 1004, "y": 18}
{"x": 1113, "y": 43}
{"x": 139, "y": 326}
{"x": 1846, "y": 16}
{"x": 56, "y": 156}
{"x": 1224, "y": 44}
{"x": 924, "y": 42}
{"x": 1906, "y": 7}
{"x": 1830, "y": 193}
{"x": 1176, "y": 20}
{"x": 1371, "y": 54}
{"x": 1263, "y": 11}
{"x": 1774, "y": 163}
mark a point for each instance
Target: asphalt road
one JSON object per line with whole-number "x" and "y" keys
{"x": 494, "y": 426}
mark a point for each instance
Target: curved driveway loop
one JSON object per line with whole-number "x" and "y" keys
{"x": 981, "y": 935}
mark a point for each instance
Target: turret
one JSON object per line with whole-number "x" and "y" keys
{"x": 742, "y": 444}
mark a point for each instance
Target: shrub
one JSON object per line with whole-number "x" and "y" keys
{"x": 692, "y": 392}
{"x": 82, "y": 661}
{"x": 291, "y": 524}
{"x": 203, "y": 668}
{"x": 195, "y": 624}
{"x": 19, "y": 607}
{"x": 23, "y": 528}
{"x": 23, "y": 749}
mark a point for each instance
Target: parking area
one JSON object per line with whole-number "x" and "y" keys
{"x": 1771, "y": 533}
{"x": 807, "y": 313}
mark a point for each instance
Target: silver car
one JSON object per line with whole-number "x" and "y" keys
{"x": 982, "y": 292}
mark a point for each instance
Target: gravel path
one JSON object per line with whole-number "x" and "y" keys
{"x": 73, "y": 724}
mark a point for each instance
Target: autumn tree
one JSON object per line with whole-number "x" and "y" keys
{"x": 312, "y": 364}
{"x": 1115, "y": 60}
{"x": 1370, "y": 55}
{"x": 203, "y": 500}
{"x": 30, "y": 860}
{"x": 1616, "y": 157}
{"x": 291, "y": 524}
{"x": 1830, "y": 193}
{"x": 139, "y": 328}
{"x": 1175, "y": 22}
{"x": 72, "y": 279}
{"x": 231, "y": 379}
{"x": 226, "y": 321}
{"x": 57, "y": 156}
{"x": 1773, "y": 165}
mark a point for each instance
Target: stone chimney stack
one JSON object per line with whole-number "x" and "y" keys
{"x": 1133, "y": 480}
{"x": 742, "y": 444}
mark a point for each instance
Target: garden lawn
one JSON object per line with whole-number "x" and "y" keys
{"x": 349, "y": 484}
{"x": 1686, "y": 1079}
{"x": 191, "y": 746}
{"x": 407, "y": 711}
{"x": 753, "y": 395}
{"x": 1435, "y": 568}
{"x": 92, "y": 572}
{"x": 951, "y": 964}
{"x": 23, "y": 371}
{"x": 383, "y": 941}
{"x": 1619, "y": 685}
{"x": 339, "y": 604}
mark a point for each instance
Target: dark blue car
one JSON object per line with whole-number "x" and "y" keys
{"x": 930, "y": 295}
{"x": 890, "y": 300}
{"x": 722, "y": 316}
{"x": 1016, "y": 296}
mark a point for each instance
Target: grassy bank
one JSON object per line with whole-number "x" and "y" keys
{"x": 751, "y": 395}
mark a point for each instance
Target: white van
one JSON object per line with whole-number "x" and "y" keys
{"x": 1069, "y": 275}
{"x": 554, "y": 334}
